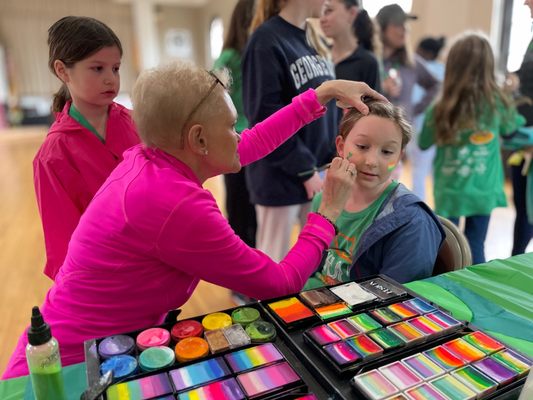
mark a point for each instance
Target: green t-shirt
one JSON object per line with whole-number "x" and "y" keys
{"x": 231, "y": 59}
{"x": 336, "y": 265}
{"x": 468, "y": 176}
{"x": 76, "y": 115}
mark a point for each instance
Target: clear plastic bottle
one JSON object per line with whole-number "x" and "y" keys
{"x": 44, "y": 362}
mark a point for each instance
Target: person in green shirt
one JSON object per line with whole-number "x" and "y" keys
{"x": 466, "y": 124}
{"x": 384, "y": 228}
{"x": 241, "y": 213}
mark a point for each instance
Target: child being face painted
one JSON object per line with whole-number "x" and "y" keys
{"x": 374, "y": 143}
{"x": 384, "y": 228}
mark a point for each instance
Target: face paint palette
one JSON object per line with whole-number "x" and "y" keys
{"x": 319, "y": 297}
{"x": 514, "y": 361}
{"x": 353, "y": 294}
{"x": 343, "y": 328}
{"x": 453, "y": 388}
{"x": 400, "y": 375}
{"x": 484, "y": 342}
{"x": 333, "y": 311}
{"x": 291, "y": 311}
{"x": 475, "y": 380}
{"x": 423, "y": 366}
{"x": 339, "y": 342}
{"x": 444, "y": 358}
{"x": 464, "y": 350}
{"x": 374, "y": 385}
{"x": 386, "y": 338}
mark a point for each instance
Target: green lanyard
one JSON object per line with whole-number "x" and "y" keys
{"x": 75, "y": 114}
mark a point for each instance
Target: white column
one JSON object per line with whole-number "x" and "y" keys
{"x": 146, "y": 33}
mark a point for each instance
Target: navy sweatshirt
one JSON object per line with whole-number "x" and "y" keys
{"x": 278, "y": 64}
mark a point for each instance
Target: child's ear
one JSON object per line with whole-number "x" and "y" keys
{"x": 61, "y": 70}
{"x": 197, "y": 139}
{"x": 339, "y": 143}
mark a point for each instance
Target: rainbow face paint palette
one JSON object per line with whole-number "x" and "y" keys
{"x": 353, "y": 294}
{"x": 291, "y": 310}
{"x": 385, "y": 316}
{"x": 444, "y": 320}
{"x": 495, "y": 370}
{"x": 444, "y": 358}
{"x": 386, "y": 338}
{"x": 403, "y": 310}
{"x": 425, "y": 325}
{"x": 253, "y": 357}
{"x": 227, "y": 389}
{"x": 322, "y": 335}
{"x": 365, "y": 346}
{"x": 199, "y": 373}
{"x": 374, "y": 385}
{"x": 343, "y": 328}
{"x": 144, "y": 388}
{"x": 425, "y": 391}
{"x": 453, "y": 388}
{"x": 420, "y": 305}
{"x": 513, "y": 360}
{"x": 464, "y": 350}
{"x": 400, "y": 375}
{"x": 268, "y": 380}
{"x": 333, "y": 311}
{"x": 342, "y": 353}
{"x": 483, "y": 342}
{"x": 364, "y": 322}
{"x": 423, "y": 366}
{"x": 407, "y": 333}
{"x": 341, "y": 342}
{"x": 475, "y": 380}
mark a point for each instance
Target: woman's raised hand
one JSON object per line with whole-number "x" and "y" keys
{"x": 347, "y": 93}
{"x": 337, "y": 187}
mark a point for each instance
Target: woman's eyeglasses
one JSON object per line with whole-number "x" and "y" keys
{"x": 206, "y": 96}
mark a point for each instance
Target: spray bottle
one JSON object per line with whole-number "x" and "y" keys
{"x": 44, "y": 362}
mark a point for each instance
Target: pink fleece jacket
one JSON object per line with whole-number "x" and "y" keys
{"x": 68, "y": 170}
{"x": 152, "y": 232}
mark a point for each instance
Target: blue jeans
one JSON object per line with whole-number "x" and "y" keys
{"x": 476, "y": 227}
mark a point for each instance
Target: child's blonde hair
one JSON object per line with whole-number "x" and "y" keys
{"x": 469, "y": 85}
{"x": 378, "y": 109}
{"x": 166, "y": 98}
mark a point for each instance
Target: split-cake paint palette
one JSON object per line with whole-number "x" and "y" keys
{"x": 344, "y": 300}
{"x": 369, "y": 339}
{"x": 232, "y": 354}
{"x": 453, "y": 370}
{"x": 245, "y": 374}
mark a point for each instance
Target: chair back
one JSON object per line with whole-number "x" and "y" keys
{"x": 455, "y": 251}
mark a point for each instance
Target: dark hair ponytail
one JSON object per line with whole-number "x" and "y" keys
{"x": 363, "y": 28}
{"x": 72, "y": 39}
{"x": 60, "y": 98}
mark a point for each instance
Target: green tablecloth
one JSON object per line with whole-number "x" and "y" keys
{"x": 497, "y": 297}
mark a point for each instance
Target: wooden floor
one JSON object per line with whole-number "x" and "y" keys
{"x": 22, "y": 283}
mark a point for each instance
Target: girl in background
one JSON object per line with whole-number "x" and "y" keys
{"x": 90, "y": 132}
{"x": 279, "y": 64}
{"x": 352, "y": 33}
{"x": 466, "y": 124}
{"x": 241, "y": 213}
{"x": 401, "y": 69}
{"x": 421, "y": 161}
